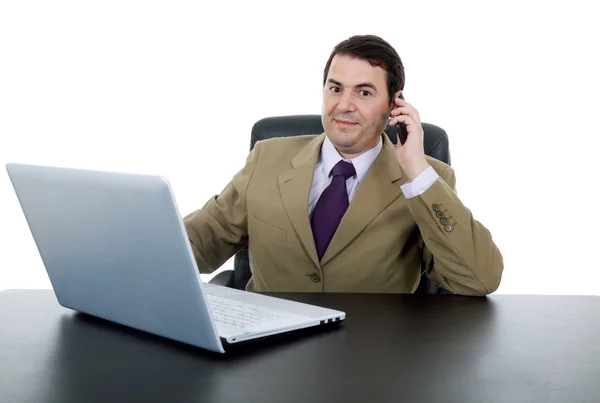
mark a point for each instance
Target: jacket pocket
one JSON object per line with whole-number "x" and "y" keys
{"x": 268, "y": 231}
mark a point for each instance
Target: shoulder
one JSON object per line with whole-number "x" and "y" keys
{"x": 285, "y": 142}
{"x": 440, "y": 167}
{"x": 279, "y": 149}
{"x": 444, "y": 170}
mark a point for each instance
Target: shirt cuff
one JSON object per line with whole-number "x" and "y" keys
{"x": 420, "y": 184}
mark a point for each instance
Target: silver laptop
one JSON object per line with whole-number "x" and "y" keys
{"x": 115, "y": 247}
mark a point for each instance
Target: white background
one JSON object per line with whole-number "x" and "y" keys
{"x": 174, "y": 87}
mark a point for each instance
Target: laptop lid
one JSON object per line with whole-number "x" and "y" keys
{"x": 114, "y": 246}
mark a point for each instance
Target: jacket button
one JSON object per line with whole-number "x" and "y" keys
{"x": 444, "y": 221}
{"x": 314, "y": 277}
{"x": 435, "y": 207}
{"x": 448, "y": 228}
{"x": 439, "y": 214}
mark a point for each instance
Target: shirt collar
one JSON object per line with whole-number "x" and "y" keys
{"x": 362, "y": 163}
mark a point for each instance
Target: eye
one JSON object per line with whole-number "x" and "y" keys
{"x": 334, "y": 89}
{"x": 364, "y": 93}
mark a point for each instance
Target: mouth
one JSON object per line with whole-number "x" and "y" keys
{"x": 342, "y": 122}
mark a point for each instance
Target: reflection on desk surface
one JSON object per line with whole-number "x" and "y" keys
{"x": 413, "y": 348}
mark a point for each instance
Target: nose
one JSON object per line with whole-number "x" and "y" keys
{"x": 346, "y": 103}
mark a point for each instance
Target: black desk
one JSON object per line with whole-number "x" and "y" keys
{"x": 391, "y": 348}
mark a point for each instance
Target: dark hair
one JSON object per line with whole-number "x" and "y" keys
{"x": 376, "y": 51}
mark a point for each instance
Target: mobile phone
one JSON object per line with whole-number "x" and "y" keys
{"x": 401, "y": 127}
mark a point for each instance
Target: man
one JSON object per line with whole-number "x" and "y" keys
{"x": 346, "y": 210}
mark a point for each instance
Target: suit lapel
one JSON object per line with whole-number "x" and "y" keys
{"x": 294, "y": 187}
{"x": 378, "y": 189}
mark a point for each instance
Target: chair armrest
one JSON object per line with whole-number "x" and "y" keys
{"x": 224, "y": 278}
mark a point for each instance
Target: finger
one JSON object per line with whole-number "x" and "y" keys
{"x": 407, "y": 120}
{"x": 400, "y": 101}
{"x": 401, "y": 111}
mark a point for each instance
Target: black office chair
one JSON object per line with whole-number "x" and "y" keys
{"x": 435, "y": 143}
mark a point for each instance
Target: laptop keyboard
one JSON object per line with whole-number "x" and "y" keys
{"x": 241, "y": 314}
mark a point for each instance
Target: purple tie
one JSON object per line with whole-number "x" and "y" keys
{"x": 331, "y": 206}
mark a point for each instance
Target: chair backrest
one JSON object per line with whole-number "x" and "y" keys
{"x": 435, "y": 143}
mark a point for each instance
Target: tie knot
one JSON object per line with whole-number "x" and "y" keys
{"x": 343, "y": 168}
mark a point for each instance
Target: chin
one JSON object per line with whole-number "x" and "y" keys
{"x": 342, "y": 139}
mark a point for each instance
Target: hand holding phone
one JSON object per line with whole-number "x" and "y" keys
{"x": 410, "y": 155}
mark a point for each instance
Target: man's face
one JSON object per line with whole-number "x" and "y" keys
{"x": 355, "y": 105}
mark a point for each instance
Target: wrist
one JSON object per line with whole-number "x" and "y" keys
{"x": 413, "y": 170}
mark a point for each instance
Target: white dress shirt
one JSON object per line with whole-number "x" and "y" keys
{"x": 329, "y": 156}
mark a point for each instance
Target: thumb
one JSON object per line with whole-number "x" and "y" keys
{"x": 401, "y": 134}
{"x": 398, "y": 142}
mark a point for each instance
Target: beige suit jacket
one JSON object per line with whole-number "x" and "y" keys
{"x": 379, "y": 246}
